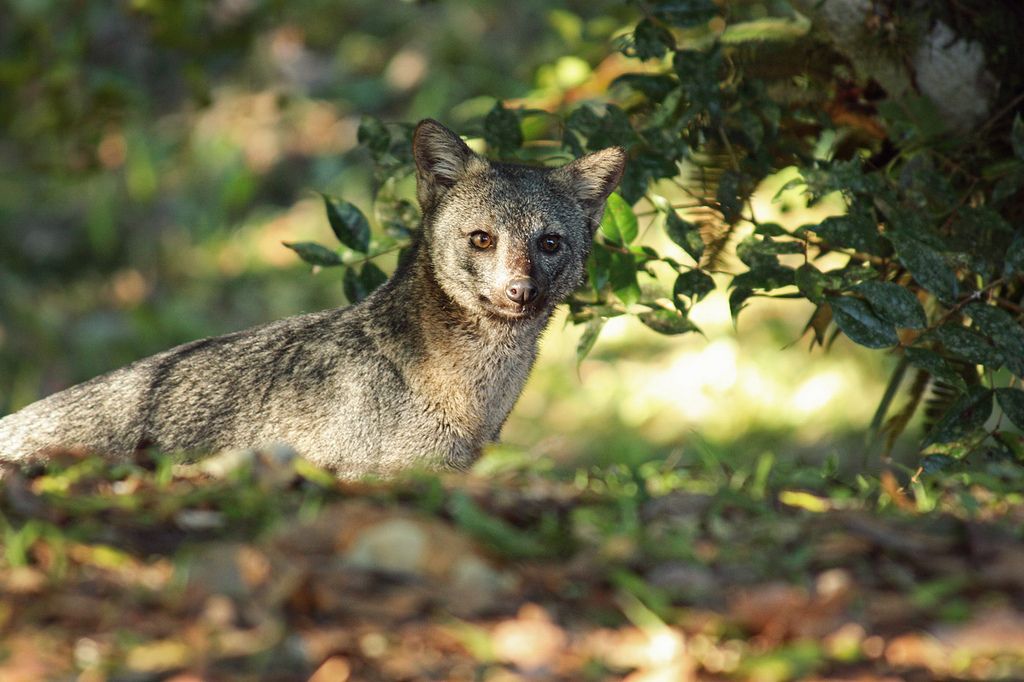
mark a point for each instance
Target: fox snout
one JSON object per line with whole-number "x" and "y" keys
{"x": 522, "y": 290}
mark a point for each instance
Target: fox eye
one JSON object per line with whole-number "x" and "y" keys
{"x": 550, "y": 243}
{"x": 481, "y": 240}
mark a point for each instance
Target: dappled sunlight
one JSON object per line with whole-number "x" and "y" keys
{"x": 724, "y": 386}
{"x": 816, "y": 393}
{"x": 257, "y": 245}
{"x": 267, "y": 125}
{"x": 773, "y": 202}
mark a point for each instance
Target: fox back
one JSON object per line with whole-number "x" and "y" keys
{"x": 423, "y": 372}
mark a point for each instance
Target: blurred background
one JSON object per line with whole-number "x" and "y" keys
{"x": 154, "y": 154}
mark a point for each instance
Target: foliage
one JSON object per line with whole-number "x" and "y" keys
{"x": 927, "y": 260}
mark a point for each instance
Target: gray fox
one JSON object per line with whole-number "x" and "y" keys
{"x": 422, "y": 373}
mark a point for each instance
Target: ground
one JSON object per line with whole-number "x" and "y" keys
{"x": 260, "y": 567}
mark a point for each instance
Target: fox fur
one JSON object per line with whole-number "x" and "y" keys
{"x": 422, "y": 373}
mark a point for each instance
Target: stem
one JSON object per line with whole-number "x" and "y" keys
{"x": 1008, "y": 305}
{"x": 643, "y": 214}
{"x": 728, "y": 149}
{"x": 853, "y": 255}
{"x": 616, "y": 249}
{"x": 371, "y": 256}
{"x": 887, "y": 397}
{"x": 959, "y": 305}
{"x": 701, "y": 201}
{"x": 1002, "y": 112}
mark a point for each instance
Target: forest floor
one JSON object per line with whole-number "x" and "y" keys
{"x": 261, "y": 567}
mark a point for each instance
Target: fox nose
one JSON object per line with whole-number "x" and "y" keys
{"x": 522, "y": 290}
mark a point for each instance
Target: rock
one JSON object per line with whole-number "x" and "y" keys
{"x": 427, "y": 551}
{"x": 394, "y": 545}
{"x": 676, "y": 504}
{"x": 230, "y": 569}
{"x": 272, "y": 466}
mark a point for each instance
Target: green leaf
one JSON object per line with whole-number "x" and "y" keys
{"x": 358, "y": 285}
{"x": 619, "y": 223}
{"x": 847, "y": 177}
{"x": 1014, "y": 260}
{"x": 695, "y": 284}
{"x": 1005, "y": 332}
{"x": 654, "y": 86}
{"x": 730, "y": 196}
{"x": 774, "y": 230}
{"x": 599, "y": 267}
{"x": 353, "y": 286}
{"x": 853, "y": 274}
{"x": 766, "y": 29}
{"x": 856, "y": 230}
{"x": 781, "y": 246}
{"x": 348, "y": 223}
{"x": 964, "y": 417}
{"x": 584, "y": 120}
{"x": 819, "y": 322}
{"x": 398, "y": 217}
{"x": 622, "y": 277}
{"x": 751, "y": 256}
{"x": 747, "y": 123}
{"x": 968, "y": 344}
{"x": 738, "y": 301}
{"x": 753, "y": 250}
{"x": 699, "y": 72}
{"x": 932, "y": 464}
{"x": 1017, "y": 137}
{"x": 927, "y": 265}
{"x": 685, "y": 12}
{"x": 651, "y": 40}
{"x": 767, "y": 276}
{"x": 372, "y": 277}
{"x": 913, "y": 119}
{"x": 1007, "y": 186}
{"x": 1011, "y": 402}
{"x": 685, "y": 234}
{"x": 762, "y": 257}
{"x": 374, "y": 135}
{"x": 1012, "y": 442}
{"x": 644, "y": 253}
{"x": 974, "y": 220}
{"x": 935, "y": 365}
{"x": 812, "y": 282}
{"x": 859, "y": 322}
{"x": 502, "y": 129}
{"x": 591, "y": 330}
{"x": 667, "y": 109}
{"x": 314, "y": 254}
{"x": 667, "y": 321}
{"x": 894, "y": 303}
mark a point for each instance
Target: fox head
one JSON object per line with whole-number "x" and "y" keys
{"x": 508, "y": 240}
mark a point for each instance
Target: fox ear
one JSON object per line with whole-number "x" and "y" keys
{"x": 441, "y": 159}
{"x": 592, "y": 178}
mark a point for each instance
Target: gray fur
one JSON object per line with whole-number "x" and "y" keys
{"x": 423, "y": 372}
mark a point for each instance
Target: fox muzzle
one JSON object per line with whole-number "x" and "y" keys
{"x": 522, "y": 290}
